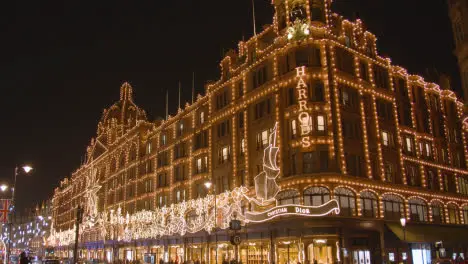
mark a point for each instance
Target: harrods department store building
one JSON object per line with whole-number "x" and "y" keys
{"x": 351, "y": 127}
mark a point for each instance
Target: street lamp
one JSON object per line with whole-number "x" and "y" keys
{"x": 26, "y": 169}
{"x": 208, "y": 186}
{"x": 403, "y": 224}
{"x": 3, "y": 187}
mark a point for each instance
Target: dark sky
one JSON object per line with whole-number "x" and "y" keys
{"x": 62, "y": 63}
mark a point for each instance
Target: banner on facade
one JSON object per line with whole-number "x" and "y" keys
{"x": 4, "y": 210}
{"x": 331, "y": 206}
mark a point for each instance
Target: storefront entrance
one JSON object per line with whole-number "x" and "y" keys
{"x": 320, "y": 252}
{"x": 361, "y": 257}
{"x": 421, "y": 253}
{"x": 288, "y": 252}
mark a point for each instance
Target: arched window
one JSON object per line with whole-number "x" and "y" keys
{"x": 315, "y": 196}
{"x": 454, "y": 217}
{"x": 288, "y": 197}
{"x": 369, "y": 204}
{"x": 394, "y": 207}
{"x": 418, "y": 210}
{"x": 347, "y": 201}
{"x": 133, "y": 154}
{"x": 438, "y": 212}
{"x": 465, "y": 214}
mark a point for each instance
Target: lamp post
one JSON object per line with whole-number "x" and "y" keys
{"x": 208, "y": 186}
{"x": 4, "y": 188}
{"x": 403, "y": 225}
{"x": 26, "y": 169}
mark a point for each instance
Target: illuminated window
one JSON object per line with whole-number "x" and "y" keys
{"x": 418, "y": 210}
{"x": 202, "y": 164}
{"x": 223, "y": 154}
{"x": 437, "y": 213}
{"x": 385, "y": 138}
{"x": 345, "y": 98}
{"x": 288, "y": 197}
{"x": 180, "y": 195}
{"x": 202, "y": 117}
{"x": 262, "y": 139}
{"x": 409, "y": 144}
{"x": 315, "y": 196}
{"x": 242, "y": 147}
{"x": 454, "y": 217}
{"x": 427, "y": 149}
{"x": 149, "y": 147}
{"x": 162, "y": 200}
{"x": 388, "y": 167}
{"x": 393, "y": 207}
{"x": 347, "y": 201}
{"x": 465, "y": 214}
{"x": 320, "y": 123}
{"x": 199, "y": 165}
{"x": 293, "y": 128}
{"x": 463, "y": 186}
{"x": 369, "y": 204}
{"x": 181, "y": 128}
{"x": 163, "y": 139}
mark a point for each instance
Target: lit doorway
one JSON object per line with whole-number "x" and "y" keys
{"x": 361, "y": 257}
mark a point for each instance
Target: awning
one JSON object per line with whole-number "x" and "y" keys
{"x": 423, "y": 233}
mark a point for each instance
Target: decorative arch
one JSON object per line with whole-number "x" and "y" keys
{"x": 437, "y": 211}
{"x": 418, "y": 208}
{"x": 453, "y": 213}
{"x": 347, "y": 199}
{"x": 369, "y": 204}
{"x": 464, "y": 209}
{"x": 393, "y": 206}
{"x": 316, "y": 195}
{"x": 288, "y": 196}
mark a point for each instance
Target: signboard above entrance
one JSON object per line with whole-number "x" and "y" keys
{"x": 293, "y": 209}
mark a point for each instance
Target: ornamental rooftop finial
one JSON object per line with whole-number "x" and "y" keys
{"x": 126, "y": 92}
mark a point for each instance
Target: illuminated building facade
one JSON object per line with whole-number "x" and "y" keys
{"x": 351, "y": 127}
{"x": 30, "y": 231}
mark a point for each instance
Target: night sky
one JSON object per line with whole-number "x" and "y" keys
{"x": 62, "y": 63}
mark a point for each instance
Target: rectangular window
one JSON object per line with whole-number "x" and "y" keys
{"x": 409, "y": 144}
{"x": 202, "y": 117}
{"x": 262, "y": 139}
{"x": 224, "y": 128}
{"x": 260, "y": 77}
{"x": 320, "y": 123}
{"x": 223, "y": 155}
{"x": 262, "y": 109}
{"x": 293, "y": 128}
{"x": 385, "y": 138}
{"x": 388, "y": 167}
{"x": 163, "y": 140}
{"x": 242, "y": 147}
{"x": 317, "y": 90}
